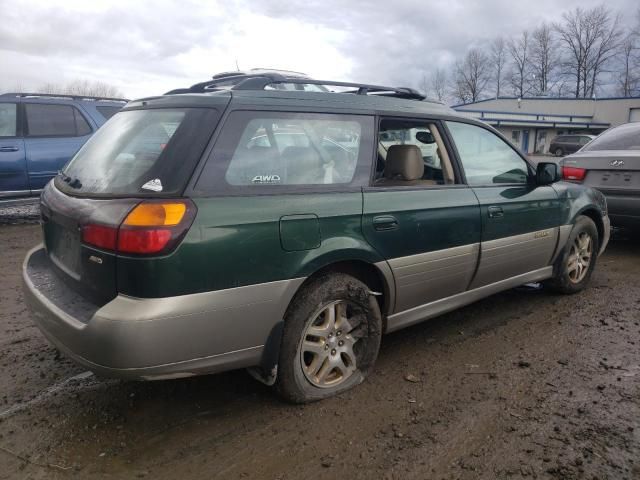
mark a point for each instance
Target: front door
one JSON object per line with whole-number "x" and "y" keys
{"x": 520, "y": 220}
{"x": 13, "y": 169}
{"x": 419, "y": 216}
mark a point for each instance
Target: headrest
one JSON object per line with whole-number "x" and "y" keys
{"x": 404, "y": 162}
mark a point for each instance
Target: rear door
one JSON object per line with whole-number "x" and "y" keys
{"x": 520, "y": 220}
{"x": 13, "y": 168}
{"x": 427, "y": 229}
{"x": 54, "y": 133}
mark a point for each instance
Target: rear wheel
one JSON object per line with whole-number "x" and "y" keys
{"x": 331, "y": 339}
{"x": 575, "y": 264}
{"x": 558, "y": 152}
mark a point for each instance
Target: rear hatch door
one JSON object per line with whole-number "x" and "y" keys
{"x": 139, "y": 154}
{"x": 88, "y": 270}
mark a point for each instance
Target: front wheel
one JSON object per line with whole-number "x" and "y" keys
{"x": 575, "y": 264}
{"x": 559, "y": 152}
{"x": 331, "y": 339}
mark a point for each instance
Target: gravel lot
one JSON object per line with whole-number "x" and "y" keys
{"x": 525, "y": 384}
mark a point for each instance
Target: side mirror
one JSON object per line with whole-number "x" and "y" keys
{"x": 425, "y": 137}
{"x": 547, "y": 173}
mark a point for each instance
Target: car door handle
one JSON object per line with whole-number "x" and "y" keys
{"x": 496, "y": 212}
{"x": 9, "y": 149}
{"x": 385, "y": 222}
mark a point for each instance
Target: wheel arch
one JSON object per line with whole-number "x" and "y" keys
{"x": 376, "y": 275}
{"x": 596, "y": 217}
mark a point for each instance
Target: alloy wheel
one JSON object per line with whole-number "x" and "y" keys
{"x": 580, "y": 257}
{"x": 327, "y": 354}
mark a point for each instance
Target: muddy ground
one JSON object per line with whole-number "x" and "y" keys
{"x": 525, "y": 384}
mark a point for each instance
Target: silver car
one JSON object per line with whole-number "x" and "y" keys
{"x": 611, "y": 163}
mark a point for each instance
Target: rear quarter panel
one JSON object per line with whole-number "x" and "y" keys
{"x": 237, "y": 241}
{"x": 576, "y": 199}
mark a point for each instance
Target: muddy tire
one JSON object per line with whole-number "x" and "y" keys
{"x": 331, "y": 339}
{"x": 575, "y": 264}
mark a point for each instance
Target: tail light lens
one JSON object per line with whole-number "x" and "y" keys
{"x": 574, "y": 174}
{"x": 150, "y": 228}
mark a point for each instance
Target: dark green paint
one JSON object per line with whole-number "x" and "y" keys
{"x": 299, "y": 232}
{"x": 429, "y": 219}
{"x": 236, "y": 241}
{"x": 525, "y": 208}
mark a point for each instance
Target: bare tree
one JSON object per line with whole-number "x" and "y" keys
{"x": 82, "y": 88}
{"x": 543, "y": 58}
{"x": 519, "y": 52}
{"x": 498, "y": 57}
{"x": 471, "y": 76}
{"x": 591, "y": 39}
{"x": 629, "y": 79}
{"x": 438, "y": 84}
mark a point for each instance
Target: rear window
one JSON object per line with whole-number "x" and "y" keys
{"x": 8, "y": 113}
{"x": 140, "y": 152}
{"x": 107, "y": 112}
{"x": 624, "y": 137}
{"x": 285, "y": 151}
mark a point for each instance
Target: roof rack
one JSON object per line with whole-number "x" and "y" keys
{"x": 61, "y": 95}
{"x": 260, "y": 81}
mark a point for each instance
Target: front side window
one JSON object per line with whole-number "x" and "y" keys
{"x": 269, "y": 150}
{"x": 486, "y": 158}
{"x": 8, "y": 114}
{"x": 624, "y": 137}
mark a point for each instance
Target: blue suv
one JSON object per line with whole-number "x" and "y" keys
{"x": 39, "y": 134}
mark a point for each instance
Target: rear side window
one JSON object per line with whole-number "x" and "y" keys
{"x": 141, "y": 152}
{"x": 486, "y": 158}
{"x": 263, "y": 151}
{"x": 624, "y": 137}
{"x": 8, "y": 114}
{"x": 107, "y": 112}
{"x": 55, "y": 121}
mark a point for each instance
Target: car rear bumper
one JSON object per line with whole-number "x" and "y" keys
{"x": 624, "y": 210}
{"x": 157, "y": 337}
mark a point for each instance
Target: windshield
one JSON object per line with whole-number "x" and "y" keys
{"x": 140, "y": 152}
{"x": 624, "y": 137}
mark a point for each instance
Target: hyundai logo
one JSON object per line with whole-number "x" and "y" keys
{"x": 617, "y": 163}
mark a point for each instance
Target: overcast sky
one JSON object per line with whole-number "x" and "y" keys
{"x": 147, "y": 48}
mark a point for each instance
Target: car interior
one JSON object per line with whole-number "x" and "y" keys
{"x": 411, "y": 153}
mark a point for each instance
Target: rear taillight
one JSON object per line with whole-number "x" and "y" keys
{"x": 150, "y": 228}
{"x": 100, "y": 236}
{"x": 574, "y": 174}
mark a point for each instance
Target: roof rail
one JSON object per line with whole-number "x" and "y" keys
{"x": 61, "y": 95}
{"x": 260, "y": 81}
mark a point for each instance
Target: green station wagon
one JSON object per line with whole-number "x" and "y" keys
{"x": 274, "y": 224}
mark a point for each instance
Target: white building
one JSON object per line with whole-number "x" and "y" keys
{"x": 531, "y": 123}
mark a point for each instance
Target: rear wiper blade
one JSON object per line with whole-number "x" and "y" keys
{"x": 65, "y": 178}
{"x": 72, "y": 182}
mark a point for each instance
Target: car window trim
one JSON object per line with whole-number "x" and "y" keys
{"x": 440, "y": 125}
{"x": 530, "y": 177}
{"x": 25, "y": 122}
